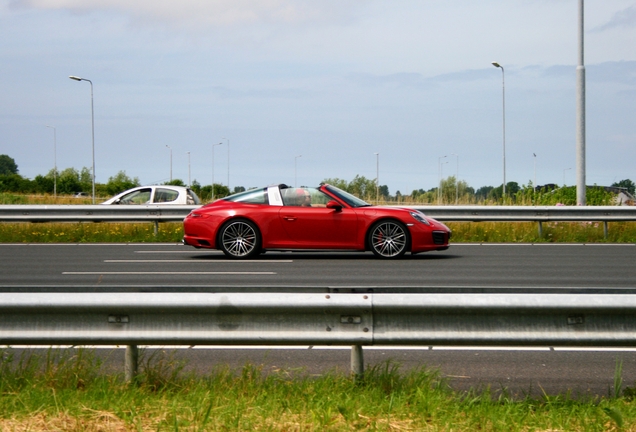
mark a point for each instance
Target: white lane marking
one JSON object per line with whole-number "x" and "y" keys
{"x": 168, "y": 273}
{"x": 197, "y": 261}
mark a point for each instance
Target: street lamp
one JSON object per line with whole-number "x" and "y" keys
{"x": 580, "y": 113}
{"x": 441, "y": 168}
{"x": 377, "y": 177}
{"x": 535, "y": 170}
{"x": 54, "y": 161}
{"x": 503, "y": 99}
{"x": 228, "y": 162}
{"x": 564, "y": 175}
{"x": 189, "y": 183}
{"x": 92, "y": 126}
{"x": 456, "y": 178}
{"x": 213, "y": 145}
{"x": 170, "y": 148}
{"x": 295, "y": 172}
{"x": 439, "y": 173}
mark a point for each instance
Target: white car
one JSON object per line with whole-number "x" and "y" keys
{"x": 156, "y": 195}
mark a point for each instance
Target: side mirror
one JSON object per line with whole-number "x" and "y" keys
{"x": 334, "y": 205}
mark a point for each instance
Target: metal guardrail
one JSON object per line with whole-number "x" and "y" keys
{"x": 104, "y": 213}
{"x": 232, "y": 318}
{"x": 170, "y": 213}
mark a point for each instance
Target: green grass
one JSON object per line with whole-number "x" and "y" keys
{"x": 68, "y": 390}
{"x": 521, "y": 232}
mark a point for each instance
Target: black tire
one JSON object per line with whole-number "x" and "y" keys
{"x": 240, "y": 238}
{"x": 389, "y": 239}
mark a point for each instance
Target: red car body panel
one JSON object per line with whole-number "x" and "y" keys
{"x": 295, "y": 227}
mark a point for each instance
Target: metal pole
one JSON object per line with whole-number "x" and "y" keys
{"x": 357, "y": 361}
{"x": 503, "y": 100}
{"x": 534, "y": 155}
{"x": 54, "y": 161}
{"x": 92, "y": 126}
{"x": 131, "y": 362}
{"x": 580, "y": 114}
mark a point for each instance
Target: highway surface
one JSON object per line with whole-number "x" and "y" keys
{"x": 543, "y": 268}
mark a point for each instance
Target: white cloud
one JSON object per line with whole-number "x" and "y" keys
{"x": 209, "y": 12}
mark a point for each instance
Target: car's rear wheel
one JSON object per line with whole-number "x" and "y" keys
{"x": 240, "y": 239}
{"x": 389, "y": 239}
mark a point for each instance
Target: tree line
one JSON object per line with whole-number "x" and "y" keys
{"x": 450, "y": 191}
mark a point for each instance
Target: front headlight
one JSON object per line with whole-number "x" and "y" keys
{"x": 420, "y": 218}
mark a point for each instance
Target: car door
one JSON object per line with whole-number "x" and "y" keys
{"x": 315, "y": 226}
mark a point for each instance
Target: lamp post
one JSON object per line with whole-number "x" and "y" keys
{"x": 295, "y": 172}
{"x": 439, "y": 174}
{"x": 580, "y": 114}
{"x": 564, "y": 175}
{"x": 92, "y": 126}
{"x": 170, "y": 148}
{"x": 441, "y": 170}
{"x": 213, "y": 145}
{"x": 189, "y": 183}
{"x": 54, "y": 161}
{"x": 228, "y": 163}
{"x": 534, "y": 155}
{"x": 503, "y": 99}
{"x": 377, "y": 177}
{"x": 456, "y": 178}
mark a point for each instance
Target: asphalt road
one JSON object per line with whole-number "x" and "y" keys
{"x": 463, "y": 268}
{"x": 133, "y": 267}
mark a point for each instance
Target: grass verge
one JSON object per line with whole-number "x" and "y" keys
{"x": 66, "y": 390}
{"x": 517, "y": 232}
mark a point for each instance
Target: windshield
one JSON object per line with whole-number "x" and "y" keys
{"x": 351, "y": 200}
{"x": 252, "y": 196}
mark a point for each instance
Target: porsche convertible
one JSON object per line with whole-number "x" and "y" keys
{"x": 281, "y": 217}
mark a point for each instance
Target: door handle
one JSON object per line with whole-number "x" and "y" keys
{"x": 289, "y": 218}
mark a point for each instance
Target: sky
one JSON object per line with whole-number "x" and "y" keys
{"x": 301, "y": 91}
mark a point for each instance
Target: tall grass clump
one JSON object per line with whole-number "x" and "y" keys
{"x": 59, "y": 391}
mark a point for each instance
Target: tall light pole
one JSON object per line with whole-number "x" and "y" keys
{"x": 534, "y": 155}
{"x": 503, "y": 99}
{"x": 170, "y": 148}
{"x": 213, "y": 145}
{"x": 439, "y": 174}
{"x": 441, "y": 170}
{"x": 377, "y": 177}
{"x": 456, "y": 178}
{"x": 54, "y": 161}
{"x": 228, "y": 163}
{"x": 92, "y": 126}
{"x": 189, "y": 182}
{"x": 295, "y": 171}
{"x": 564, "y": 175}
{"x": 580, "y": 115}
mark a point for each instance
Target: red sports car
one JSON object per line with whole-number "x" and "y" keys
{"x": 324, "y": 218}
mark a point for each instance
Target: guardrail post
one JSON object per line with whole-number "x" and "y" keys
{"x": 605, "y": 229}
{"x": 132, "y": 359}
{"x": 540, "y": 229}
{"x": 156, "y": 228}
{"x": 357, "y": 361}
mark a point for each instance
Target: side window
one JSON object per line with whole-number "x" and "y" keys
{"x": 165, "y": 195}
{"x": 252, "y": 196}
{"x": 141, "y": 196}
{"x": 304, "y": 197}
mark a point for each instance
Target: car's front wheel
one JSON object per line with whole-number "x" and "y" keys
{"x": 389, "y": 239}
{"x": 240, "y": 239}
